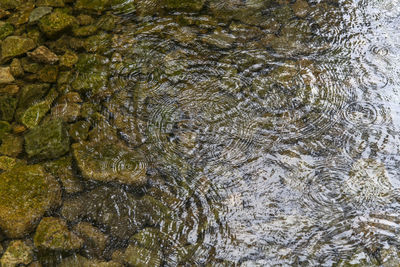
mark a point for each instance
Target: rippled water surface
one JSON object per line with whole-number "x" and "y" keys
{"x": 274, "y": 136}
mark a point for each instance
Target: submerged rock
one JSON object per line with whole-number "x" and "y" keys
{"x": 39, "y": 13}
{"x": 106, "y": 161}
{"x": 137, "y": 256}
{"x": 14, "y": 46}
{"x": 56, "y": 23}
{"x": 8, "y": 105}
{"x": 52, "y": 233}
{"x": 47, "y": 141}
{"x": 11, "y": 145}
{"x": 95, "y": 240}
{"x": 18, "y": 252}
{"x": 43, "y": 55}
{"x": 26, "y": 193}
{"x": 80, "y": 261}
{"x": 185, "y": 5}
{"x": 94, "y": 5}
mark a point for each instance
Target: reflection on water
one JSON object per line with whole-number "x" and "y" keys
{"x": 280, "y": 144}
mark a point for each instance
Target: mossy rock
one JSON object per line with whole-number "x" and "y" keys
{"x": 14, "y": 46}
{"x": 93, "y": 5}
{"x": 51, "y": 3}
{"x": 79, "y": 131}
{"x": 80, "y": 261}
{"x": 85, "y": 31}
{"x": 5, "y": 128}
{"x": 7, "y": 163}
{"x": 48, "y": 74}
{"x": 107, "y": 162}
{"x": 184, "y": 5}
{"x": 54, "y": 24}
{"x": 53, "y": 234}
{"x": 12, "y": 145}
{"x": 18, "y": 252}
{"x": 62, "y": 169}
{"x": 141, "y": 257}
{"x": 6, "y": 29}
{"x": 49, "y": 140}
{"x": 26, "y": 193}
{"x": 95, "y": 240}
{"x": 8, "y": 104}
{"x": 69, "y": 59}
{"x": 99, "y": 43}
{"x": 10, "y": 4}
{"x": 39, "y": 13}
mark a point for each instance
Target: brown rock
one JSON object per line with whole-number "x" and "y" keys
{"x": 43, "y": 55}
{"x": 5, "y": 75}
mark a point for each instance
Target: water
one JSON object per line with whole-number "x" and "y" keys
{"x": 273, "y": 139}
{"x": 281, "y": 146}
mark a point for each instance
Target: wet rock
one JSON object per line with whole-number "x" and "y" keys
{"x": 69, "y": 59}
{"x": 95, "y": 240}
{"x": 53, "y": 234}
{"x": 80, "y": 261}
{"x": 6, "y": 29}
{"x": 18, "y": 128}
{"x": 68, "y": 112}
{"x": 151, "y": 238}
{"x": 368, "y": 181}
{"x": 137, "y": 256}
{"x": 11, "y": 145}
{"x": 32, "y": 116}
{"x": 4, "y": 128}
{"x": 7, "y": 163}
{"x": 85, "y": 20}
{"x": 47, "y": 141}
{"x": 301, "y": 8}
{"x": 108, "y": 161}
{"x": 99, "y": 43}
{"x": 79, "y": 131}
{"x": 94, "y": 5}
{"x": 62, "y": 169}
{"x": 220, "y": 38}
{"x": 16, "y": 68}
{"x": 43, "y": 55}
{"x": 48, "y": 74}
{"x": 85, "y": 31}
{"x": 56, "y": 23}
{"x": 10, "y": 4}
{"x": 184, "y": 5}
{"x": 26, "y": 193}
{"x": 5, "y": 75}
{"x": 14, "y": 46}
{"x": 39, "y": 13}
{"x": 32, "y": 93}
{"x": 8, "y": 105}
{"x": 107, "y": 22}
{"x": 121, "y": 212}
{"x": 29, "y": 66}
{"x": 11, "y": 89}
{"x": 51, "y": 3}
{"x": 18, "y": 252}
{"x": 247, "y": 12}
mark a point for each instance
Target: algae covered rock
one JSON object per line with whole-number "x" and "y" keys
{"x": 8, "y": 105}
{"x": 14, "y": 46}
{"x": 26, "y": 193}
{"x": 7, "y": 163}
{"x": 95, "y": 240}
{"x": 51, "y": 3}
{"x": 107, "y": 162}
{"x": 6, "y": 29}
{"x": 43, "y": 55}
{"x": 18, "y": 252}
{"x": 94, "y": 5}
{"x": 9, "y": 4}
{"x": 56, "y": 23}
{"x": 47, "y": 141}
{"x": 53, "y": 234}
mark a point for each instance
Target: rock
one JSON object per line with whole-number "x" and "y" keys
{"x": 18, "y": 252}
{"x": 85, "y": 20}
{"x": 151, "y": 238}
{"x": 11, "y": 89}
{"x": 137, "y": 256}
{"x": 39, "y": 13}
{"x": 8, "y": 105}
{"x": 80, "y": 261}
{"x": 53, "y": 234}
{"x": 43, "y": 55}
{"x": 99, "y": 43}
{"x": 68, "y": 112}
{"x": 62, "y": 169}
{"x": 79, "y": 131}
{"x": 56, "y": 23}
{"x": 47, "y": 141}
{"x": 32, "y": 116}
{"x": 107, "y": 162}
{"x": 30, "y": 66}
{"x": 69, "y": 59}
{"x": 6, "y": 29}
{"x": 18, "y": 128}
{"x": 5, "y": 75}
{"x": 14, "y": 46}
{"x": 95, "y": 240}
{"x": 7, "y": 163}
{"x": 16, "y": 68}
{"x": 48, "y": 74}
{"x": 85, "y": 31}
{"x": 301, "y": 8}
{"x": 11, "y": 145}
{"x": 30, "y": 94}
{"x": 50, "y": 3}
{"x": 94, "y": 5}
{"x": 10, "y": 4}
{"x": 26, "y": 193}
{"x": 184, "y": 5}
{"x": 368, "y": 182}
{"x": 4, "y": 128}
{"x": 121, "y": 212}
{"x": 220, "y": 38}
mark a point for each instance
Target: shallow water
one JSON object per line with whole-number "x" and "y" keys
{"x": 288, "y": 155}
{"x": 273, "y": 142}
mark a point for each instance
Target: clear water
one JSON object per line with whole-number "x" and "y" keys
{"x": 284, "y": 154}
